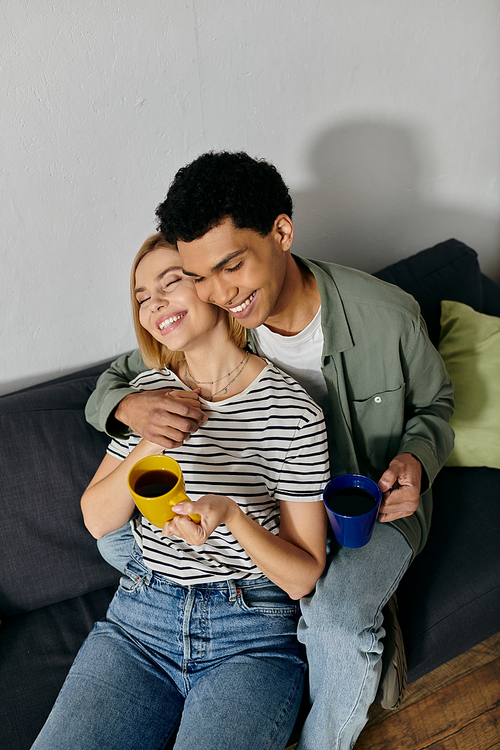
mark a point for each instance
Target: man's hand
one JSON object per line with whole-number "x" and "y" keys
{"x": 164, "y": 417}
{"x": 213, "y": 510}
{"x": 404, "y": 476}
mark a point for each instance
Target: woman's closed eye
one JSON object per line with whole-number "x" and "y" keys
{"x": 170, "y": 282}
{"x": 164, "y": 287}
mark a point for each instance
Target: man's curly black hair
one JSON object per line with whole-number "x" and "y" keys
{"x": 220, "y": 185}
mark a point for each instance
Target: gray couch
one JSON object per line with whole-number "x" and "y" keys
{"x": 54, "y": 584}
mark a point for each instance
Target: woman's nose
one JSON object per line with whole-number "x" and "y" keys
{"x": 157, "y": 303}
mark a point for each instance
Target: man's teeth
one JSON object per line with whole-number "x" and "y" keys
{"x": 169, "y": 321}
{"x": 243, "y": 305}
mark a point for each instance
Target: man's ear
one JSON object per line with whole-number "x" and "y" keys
{"x": 283, "y": 231}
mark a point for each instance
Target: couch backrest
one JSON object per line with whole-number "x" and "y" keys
{"x": 449, "y": 270}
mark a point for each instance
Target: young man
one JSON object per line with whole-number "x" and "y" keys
{"x": 359, "y": 346}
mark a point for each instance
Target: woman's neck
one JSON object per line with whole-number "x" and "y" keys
{"x": 221, "y": 372}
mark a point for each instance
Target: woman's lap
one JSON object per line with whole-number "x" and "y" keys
{"x": 226, "y": 659}
{"x": 243, "y": 704}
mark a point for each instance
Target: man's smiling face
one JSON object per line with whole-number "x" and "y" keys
{"x": 238, "y": 269}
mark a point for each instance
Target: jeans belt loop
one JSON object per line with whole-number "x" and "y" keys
{"x": 232, "y": 590}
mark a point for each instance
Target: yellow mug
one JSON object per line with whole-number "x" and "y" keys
{"x": 156, "y": 484}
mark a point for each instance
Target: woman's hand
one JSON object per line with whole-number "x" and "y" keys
{"x": 213, "y": 510}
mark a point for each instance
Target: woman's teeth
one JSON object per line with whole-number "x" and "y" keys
{"x": 243, "y": 305}
{"x": 169, "y": 321}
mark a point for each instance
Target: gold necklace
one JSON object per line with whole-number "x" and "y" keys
{"x": 187, "y": 374}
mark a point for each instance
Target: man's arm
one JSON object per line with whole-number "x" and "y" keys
{"x": 428, "y": 438}
{"x": 111, "y": 388}
{"x": 164, "y": 417}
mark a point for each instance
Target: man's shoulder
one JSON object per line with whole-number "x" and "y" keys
{"x": 359, "y": 287}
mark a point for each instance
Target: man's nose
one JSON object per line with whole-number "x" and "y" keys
{"x": 222, "y": 293}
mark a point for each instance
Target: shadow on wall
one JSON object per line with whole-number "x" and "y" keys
{"x": 366, "y": 208}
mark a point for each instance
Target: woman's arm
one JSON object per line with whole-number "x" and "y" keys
{"x": 107, "y": 503}
{"x": 294, "y": 560}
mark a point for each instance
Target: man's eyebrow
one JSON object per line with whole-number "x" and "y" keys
{"x": 159, "y": 277}
{"x": 219, "y": 265}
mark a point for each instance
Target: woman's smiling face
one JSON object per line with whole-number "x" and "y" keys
{"x": 169, "y": 308}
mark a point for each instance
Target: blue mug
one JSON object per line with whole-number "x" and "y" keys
{"x": 352, "y": 502}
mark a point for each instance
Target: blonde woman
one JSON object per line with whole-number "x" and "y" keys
{"x": 201, "y": 634}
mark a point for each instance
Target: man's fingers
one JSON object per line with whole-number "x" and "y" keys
{"x": 401, "y": 502}
{"x": 387, "y": 480}
{"x": 387, "y": 517}
{"x": 185, "y": 406}
{"x": 403, "y": 477}
{"x": 166, "y": 437}
{"x": 193, "y": 395}
{"x": 171, "y": 424}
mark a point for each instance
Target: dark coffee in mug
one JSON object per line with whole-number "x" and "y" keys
{"x": 351, "y": 501}
{"x": 155, "y": 483}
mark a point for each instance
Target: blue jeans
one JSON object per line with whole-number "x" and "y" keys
{"x": 116, "y": 547}
{"x": 219, "y": 660}
{"x": 342, "y": 628}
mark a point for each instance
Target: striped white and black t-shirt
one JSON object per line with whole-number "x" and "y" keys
{"x": 262, "y": 446}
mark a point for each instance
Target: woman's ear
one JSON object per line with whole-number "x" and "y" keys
{"x": 283, "y": 231}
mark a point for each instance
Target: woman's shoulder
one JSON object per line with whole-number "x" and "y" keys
{"x": 150, "y": 380}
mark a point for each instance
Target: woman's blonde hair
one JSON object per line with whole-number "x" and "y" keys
{"x": 155, "y": 354}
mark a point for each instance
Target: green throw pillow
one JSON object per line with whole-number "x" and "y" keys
{"x": 470, "y": 347}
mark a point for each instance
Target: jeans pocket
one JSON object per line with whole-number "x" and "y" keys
{"x": 132, "y": 580}
{"x": 267, "y": 599}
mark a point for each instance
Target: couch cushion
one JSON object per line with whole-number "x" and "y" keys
{"x": 470, "y": 348}
{"x": 48, "y": 454}
{"x": 449, "y": 270}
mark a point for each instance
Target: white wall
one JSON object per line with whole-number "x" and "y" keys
{"x": 382, "y": 115}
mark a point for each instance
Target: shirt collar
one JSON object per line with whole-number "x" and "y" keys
{"x": 336, "y": 332}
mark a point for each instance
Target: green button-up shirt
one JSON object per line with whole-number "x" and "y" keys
{"x": 388, "y": 390}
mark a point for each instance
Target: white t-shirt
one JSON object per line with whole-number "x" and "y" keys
{"x": 299, "y": 355}
{"x": 267, "y": 444}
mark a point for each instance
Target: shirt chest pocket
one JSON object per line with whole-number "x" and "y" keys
{"x": 378, "y": 425}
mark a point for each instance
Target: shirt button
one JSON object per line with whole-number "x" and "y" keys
{"x": 378, "y": 399}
